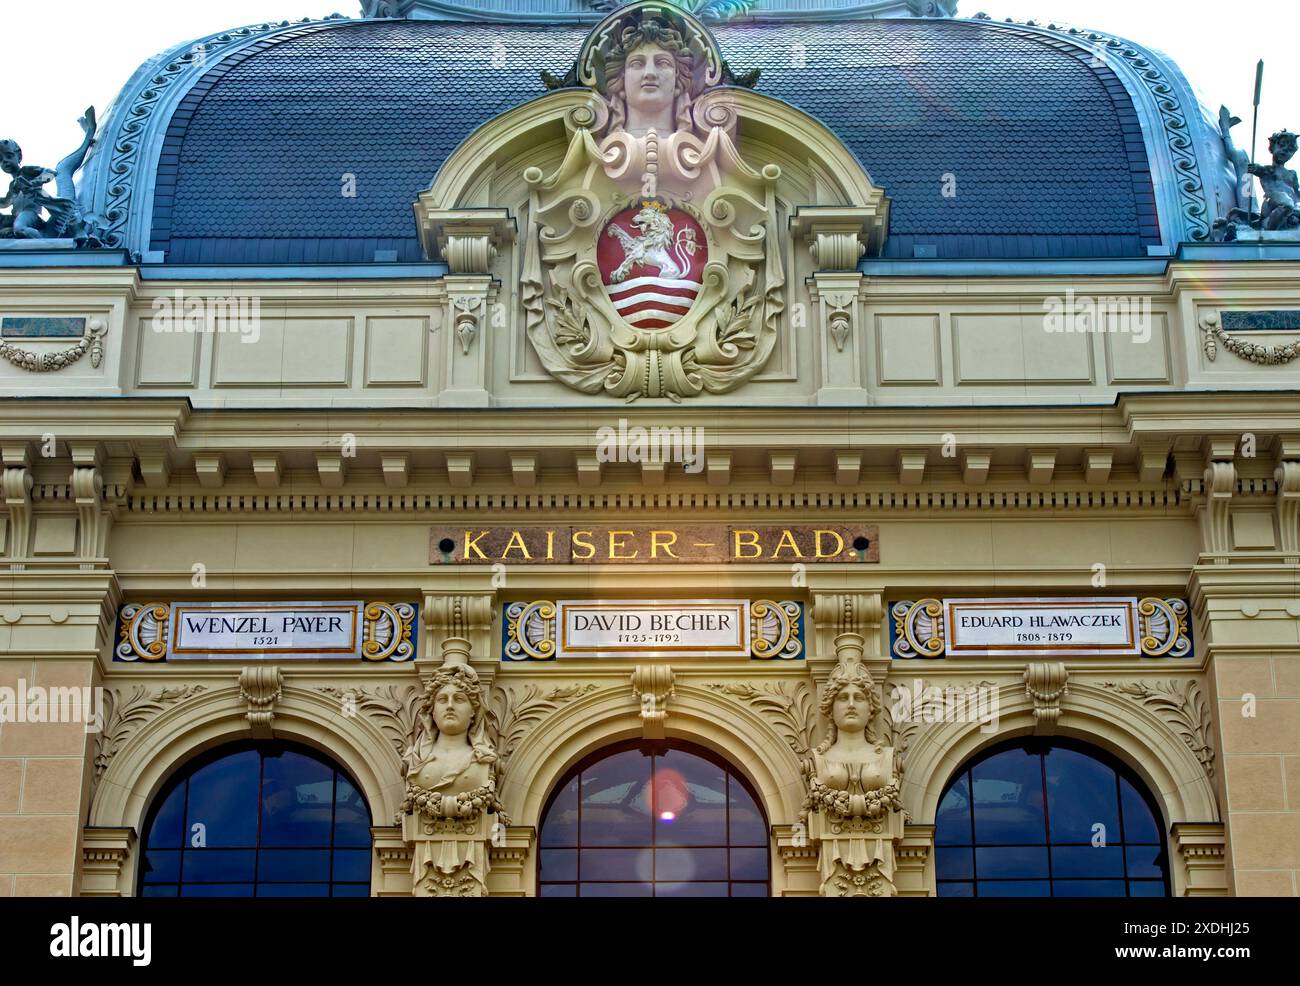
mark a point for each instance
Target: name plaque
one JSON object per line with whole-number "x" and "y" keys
{"x": 1044, "y": 626}
{"x": 653, "y": 628}
{"x": 646, "y": 545}
{"x": 1010, "y": 627}
{"x": 309, "y": 631}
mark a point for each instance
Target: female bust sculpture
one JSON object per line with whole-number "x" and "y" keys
{"x": 850, "y": 774}
{"x": 853, "y": 803}
{"x": 450, "y": 766}
{"x": 648, "y": 81}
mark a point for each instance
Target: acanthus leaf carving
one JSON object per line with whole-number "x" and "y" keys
{"x": 788, "y": 708}
{"x": 392, "y": 708}
{"x": 123, "y": 715}
{"x": 514, "y": 712}
{"x": 1183, "y": 708}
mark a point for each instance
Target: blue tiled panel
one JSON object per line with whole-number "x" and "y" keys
{"x": 1045, "y": 148}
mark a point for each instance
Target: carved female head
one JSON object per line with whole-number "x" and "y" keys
{"x": 648, "y": 78}
{"x": 453, "y": 700}
{"x": 849, "y": 702}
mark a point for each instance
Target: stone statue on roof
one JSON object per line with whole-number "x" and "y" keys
{"x": 34, "y": 214}
{"x": 1279, "y": 210}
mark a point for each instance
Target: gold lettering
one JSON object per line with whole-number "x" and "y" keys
{"x": 550, "y": 545}
{"x": 617, "y": 545}
{"x": 750, "y": 542}
{"x": 516, "y": 541}
{"x": 591, "y": 548}
{"x": 471, "y": 544}
{"x": 829, "y": 554}
{"x": 655, "y": 545}
{"x": 787, "y": 540}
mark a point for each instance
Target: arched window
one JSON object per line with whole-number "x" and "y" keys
{"x": 653, "y": 821}
{"x": 1048, "y": 820}
{"x": 266, "y": 820}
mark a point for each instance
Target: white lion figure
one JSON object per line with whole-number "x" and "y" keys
{"x": 655, "y": 247}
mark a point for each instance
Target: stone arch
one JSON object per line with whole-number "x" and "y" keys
{"x": 695, "y": 714}
{"x": 214, "y": 718}
{"x": 1090, "y": 714}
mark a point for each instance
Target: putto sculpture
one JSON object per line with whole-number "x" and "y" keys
{"x": 853, "y": 807}
{"x": 652, "y": 264}
{"x": 34, "y": 213}
{"x": 450, "y": 768}
{"x": 1279, "y": 208}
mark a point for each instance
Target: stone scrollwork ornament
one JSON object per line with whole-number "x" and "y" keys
{"x": 853, "y": 807}
{"x": 652, "y": 266}
{"x": 451, "y": 810}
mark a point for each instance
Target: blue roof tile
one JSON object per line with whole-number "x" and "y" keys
{"x": 1045, "y": 146}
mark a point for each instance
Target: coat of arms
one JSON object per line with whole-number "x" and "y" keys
{"x": 651, "y": 261}
{"x": 652, "y": 265}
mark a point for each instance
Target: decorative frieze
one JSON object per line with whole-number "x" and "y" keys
{"x": 514, "y": 711}
{"x": 1253, "y": 352}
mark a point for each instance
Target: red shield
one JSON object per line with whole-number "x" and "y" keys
{"x": 651, "y": 260}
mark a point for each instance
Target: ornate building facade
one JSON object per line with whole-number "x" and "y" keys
{"x": 727, "y": 448}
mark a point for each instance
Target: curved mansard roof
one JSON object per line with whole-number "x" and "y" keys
{"x": 1061, "y": 144}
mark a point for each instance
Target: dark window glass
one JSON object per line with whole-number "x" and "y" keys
{"x": 169, "y": 823}
{"x": 1039, "y": 820}
{"x": 654, "y": 821}
{"x": 1008, "y": 799}
{"x": 1081, "y": 795}
{"x": 269, "y": 821}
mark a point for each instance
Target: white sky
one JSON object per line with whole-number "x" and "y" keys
{"x": 61, "y": 57}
